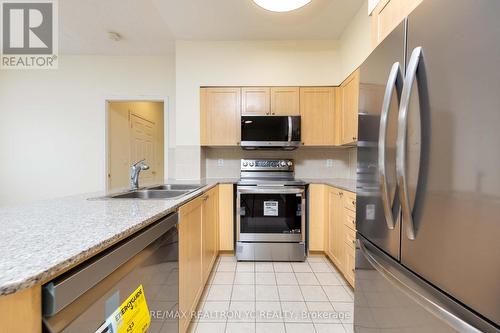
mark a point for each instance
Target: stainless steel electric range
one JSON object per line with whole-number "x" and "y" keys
{"x": 270, "y": 215}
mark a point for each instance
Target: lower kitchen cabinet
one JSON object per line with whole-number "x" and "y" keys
{"x": 332, "y": 215}
{"x": 210, "y": 228}
{"x": 317, "y": 216}
{"x": 335, "y": 227}
{"x": 226, "y": 217}
{"x": 198, "y": 250}
{"x": 190, "y": 259}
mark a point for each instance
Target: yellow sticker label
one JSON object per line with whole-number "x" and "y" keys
{"x": 131, "y": 317}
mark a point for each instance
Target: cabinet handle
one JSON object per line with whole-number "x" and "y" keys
{"x": 354, "y": 242}
{"x": 354, "y": 203}
{"x": 205, "y": 198}
{"x": 273, "y": 113}
{"x": 354, "y": 138}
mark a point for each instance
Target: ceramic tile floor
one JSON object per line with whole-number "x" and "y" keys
{"x": 275, "y": 297}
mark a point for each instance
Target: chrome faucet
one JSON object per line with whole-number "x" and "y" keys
{"x": 135, "y": 169}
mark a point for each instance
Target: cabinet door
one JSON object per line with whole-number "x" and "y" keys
{"x": 285, "y": 101}
{"x": 255, "y": 101}
{"x": 349, "y": 255}
{"x": 210, "y": 231}
{"x": 190, "y": 259}
{"x": 336, "y": 227}
{"x": 220, "y": 116}
{"x": 317, "y": 109}
{"x": 318, "y": 209}
{"x": 350, "y": 95}
{"x": 387, "y": 15}
{"x": 226, "y": 217}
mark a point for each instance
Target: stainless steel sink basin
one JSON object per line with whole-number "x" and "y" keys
{"x": 175, "y": 187}
{"x": 166, "y": 191}
{"x": 149, "y": 194}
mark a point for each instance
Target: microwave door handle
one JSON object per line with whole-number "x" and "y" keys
{"x": 394, "y": 81}
{"x": 401, "y": 142}
{"x": 290, "y": 128}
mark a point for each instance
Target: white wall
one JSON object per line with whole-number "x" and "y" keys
{"x": 241, "y": 63}
{"x": 52, "y": 123}
{"x": 355, "y": 41}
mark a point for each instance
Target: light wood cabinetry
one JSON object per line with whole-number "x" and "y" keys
{"x": 255, "y": 101}
{"x": 387, "y": 15}
{"x": 350, "y": 96}
{"x": 190, "y": 259}
{"x": 332, "y": 217}
{"x": 220, "y": 116}
{"x": 349, "y": 254}
{"x": 285, "y": 101}
{"x": 329, "y": 115}
{"x": 317, "y": 216}
{"x": 335, "y": 227}
{"x": 317, "y": 110}
{"x": 198, "y": 250}
{"x": 226, "y": 217}
{"x": 22, "y": 311}
{"x": 210, "y": 228}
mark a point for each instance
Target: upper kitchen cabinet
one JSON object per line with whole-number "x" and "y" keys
{"x": 387, "y": 15}
{"x": 285, "y": 101}
{"x": 349, "y": 106}
{"x": 317, "y": 110}
{"x": 255, "y": 101}
{"x": 220, "y": 116}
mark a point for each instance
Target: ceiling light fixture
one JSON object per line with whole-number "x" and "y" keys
{"x": 281, "y": 5}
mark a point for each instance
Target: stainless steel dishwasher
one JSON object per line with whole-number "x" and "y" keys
{"x": 82, "y": 299}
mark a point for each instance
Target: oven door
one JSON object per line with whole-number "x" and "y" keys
{"x": 270, "y": 214}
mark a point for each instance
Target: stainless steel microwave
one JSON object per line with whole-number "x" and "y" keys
{"x": 271, "y": 132}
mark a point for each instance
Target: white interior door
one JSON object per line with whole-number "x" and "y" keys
{"x": 142, "y": 146}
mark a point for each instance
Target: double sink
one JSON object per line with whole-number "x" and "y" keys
{"x": 173, "y": 191}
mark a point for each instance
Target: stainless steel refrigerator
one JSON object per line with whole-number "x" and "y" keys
{"x": 428, "y": 175}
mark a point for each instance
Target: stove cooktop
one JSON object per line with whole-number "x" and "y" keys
{"x": 270, "y": 182}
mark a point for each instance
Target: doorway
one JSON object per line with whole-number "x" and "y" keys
{"x": 135, "y": 131}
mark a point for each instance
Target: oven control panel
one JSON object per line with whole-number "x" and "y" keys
{"x": 267, "y": 165}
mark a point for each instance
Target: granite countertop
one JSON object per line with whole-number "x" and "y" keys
{"x": 43, "y": 239}
{"x": 342, "y": 183}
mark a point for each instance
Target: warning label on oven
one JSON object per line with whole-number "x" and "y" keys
{"x": 270, "y": 208}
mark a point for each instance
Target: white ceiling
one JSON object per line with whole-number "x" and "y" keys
{"x": 150, "y": 27}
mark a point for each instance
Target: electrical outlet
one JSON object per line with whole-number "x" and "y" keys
{"x": 329, "y": 163}
{"x": 220, "y": 162}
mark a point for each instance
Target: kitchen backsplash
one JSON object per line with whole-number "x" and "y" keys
{"x": 309, "y": 162}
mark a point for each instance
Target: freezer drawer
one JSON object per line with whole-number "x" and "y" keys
{"x": 389, "y": 298}
{"x": 82, "y": 299}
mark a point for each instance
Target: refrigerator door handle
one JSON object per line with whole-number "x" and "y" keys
{"x": 402, "y": 181}
{"x": 395, "y": 80}
{"x": 433, "y": 301}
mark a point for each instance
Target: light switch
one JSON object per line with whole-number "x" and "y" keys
{"x": 220, "y": 162}
{"x": 329, "y": 163}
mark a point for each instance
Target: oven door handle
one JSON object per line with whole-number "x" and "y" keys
{"x": 270, "y": 190}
